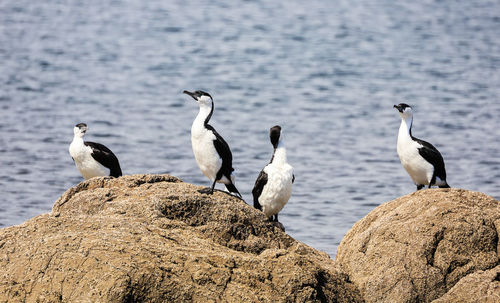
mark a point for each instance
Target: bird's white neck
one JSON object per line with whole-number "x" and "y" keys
{"x": 405, "y": 128}
{"x": 203, "y": 114}
{"x": 77, "y": 139}
{"x": 279, "y": 157}
{"x": 77, "y": 147}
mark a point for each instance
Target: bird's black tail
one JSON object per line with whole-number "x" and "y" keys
{"x": 115, "y": 172}
{"x": 256, "y": 204}
{"x": 232, "y": 189}
{"x": 445, "y": 186}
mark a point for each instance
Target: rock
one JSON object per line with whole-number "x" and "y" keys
{"x": 480, "y": 287}
{"x": 437, "y": 243}
{"x": 153, "y": 238}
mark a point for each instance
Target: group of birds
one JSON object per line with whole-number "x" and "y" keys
{"x": 273, "y": 186}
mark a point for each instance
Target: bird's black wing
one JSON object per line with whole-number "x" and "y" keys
{"x": 105, "y": 156}
{"x": 225, "y": 153}
{"x": 432, "y": 155}
{"x": 293, "y": 178}
{"x": 258, "y": 187}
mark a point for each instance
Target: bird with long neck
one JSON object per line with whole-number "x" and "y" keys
{"x": 211, "y": 151}
{"x": 273, "y": 186}
{"x": 421, "y": 160}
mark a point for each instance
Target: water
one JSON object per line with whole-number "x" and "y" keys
{"x": 327, "y": 72}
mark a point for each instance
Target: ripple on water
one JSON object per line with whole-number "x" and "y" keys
{"x": 329, "y": 79}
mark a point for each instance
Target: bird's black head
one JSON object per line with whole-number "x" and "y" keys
{"x": 197, "y": 94}
{"x": 274, "y": 135}
{"x": 401, "y": 107}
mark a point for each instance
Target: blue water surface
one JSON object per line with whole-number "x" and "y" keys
{"x": 328, "y": 72}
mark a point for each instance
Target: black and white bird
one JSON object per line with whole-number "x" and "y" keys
{"x": 273, "y": 186}
{"x": 92, "y": 159}
{"x": 210, "y": 150}
{"x": 422, "y": 160}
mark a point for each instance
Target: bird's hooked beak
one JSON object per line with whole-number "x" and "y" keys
{"x": 193, "y": 95}
{"x": 399, "y": 108}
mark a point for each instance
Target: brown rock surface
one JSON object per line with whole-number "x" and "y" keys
{"x": 437, "y": 243}
{"x": 153, "y": 238}
{"x": 479, "y": 287}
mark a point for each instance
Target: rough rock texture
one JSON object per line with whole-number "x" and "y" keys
{"x": 437, "y": 243}
{"x": 153, "y": 238}
{"x": 479, "y": 287}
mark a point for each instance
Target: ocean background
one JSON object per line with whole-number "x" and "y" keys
{"x": 328, "y": 72}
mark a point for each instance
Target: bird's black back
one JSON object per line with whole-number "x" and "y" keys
{"x": 222, "y": 149}
{"x": 224, "y": 152}
{"x": 105, "y": 156}
{"x": 433, "y": 156}
{"x": 257, "y": 189}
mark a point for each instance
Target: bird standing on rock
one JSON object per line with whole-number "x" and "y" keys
{"x": 92, "y": 159}
{"x": 273, "y": 186}
{"x": 210, "y": 150}
{"x": 422, "y": 160}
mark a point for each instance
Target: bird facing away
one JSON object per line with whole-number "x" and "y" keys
{"x": 422, "y": 160}
{"x": 273, "y": 186}
{"x": 92, "y": 159}
{"x": 210, "y": 150}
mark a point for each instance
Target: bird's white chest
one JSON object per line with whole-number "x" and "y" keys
{"x": 417, "y": 167}
{"x": 278, "y": 188}
{"x": 204, "y": 150}
{"x": 86, "y": 164}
